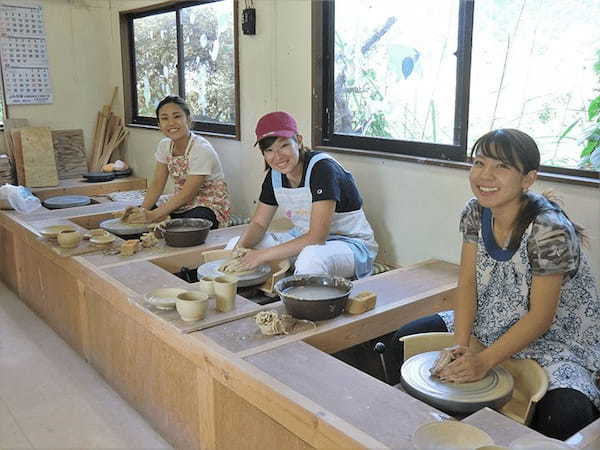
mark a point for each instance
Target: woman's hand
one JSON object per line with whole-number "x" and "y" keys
{"x": 141, "y": 215}
{"x": 468, "y": 367}
{"x": 252, "y": 259}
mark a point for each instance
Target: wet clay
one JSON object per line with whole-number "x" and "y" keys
{"x": 314, "y": 292}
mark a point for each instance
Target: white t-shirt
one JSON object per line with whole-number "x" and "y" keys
{"x": 202, "y": 160}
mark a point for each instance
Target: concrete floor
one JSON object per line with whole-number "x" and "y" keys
{"x": 51, "y": 398}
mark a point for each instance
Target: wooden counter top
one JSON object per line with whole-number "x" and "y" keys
{"x": 78, "y": 186}
{"x": 228, "y": 386}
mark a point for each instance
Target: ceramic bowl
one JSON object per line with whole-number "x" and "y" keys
{"x": 95, "y": 233}
{"x": 52, "y": 231}
{"x": 69, "y": 238}
{"x": 103, "y": 239}
{"x": 186, "y": 232}
{"x": 163, "y": 298}
{"x": 314, "y": 297}
{"x": 450, "y": 435}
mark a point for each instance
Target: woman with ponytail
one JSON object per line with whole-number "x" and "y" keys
{"x": 525, "y": 288}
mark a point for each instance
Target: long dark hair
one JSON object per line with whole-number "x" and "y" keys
{"x": 519, "y": 150}
{"x": 265, "y": 143}
{"x": 174, "y": 99}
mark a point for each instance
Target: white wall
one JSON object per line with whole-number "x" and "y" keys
{"x": 414, "y": 208}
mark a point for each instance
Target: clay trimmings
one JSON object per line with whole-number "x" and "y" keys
{"x": 270, "y": 323}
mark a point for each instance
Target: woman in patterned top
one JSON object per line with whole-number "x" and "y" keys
{"x": 192, "y": 163}
{"x": 525, "y": 288}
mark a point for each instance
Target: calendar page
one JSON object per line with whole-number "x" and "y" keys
{"x": 24, "y": 54}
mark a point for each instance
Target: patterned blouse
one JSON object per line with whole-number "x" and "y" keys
{"x": 570, "y": 350}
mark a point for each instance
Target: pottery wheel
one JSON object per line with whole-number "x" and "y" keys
{"x": 247, "y": 278}
{"x": 67, "y": 201}
{"x": 123, "y": 229}
{"x": 494, "y": 390}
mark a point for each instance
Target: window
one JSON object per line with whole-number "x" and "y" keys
{"x": 187, "y": 48}
{"x": 427, "y": 78}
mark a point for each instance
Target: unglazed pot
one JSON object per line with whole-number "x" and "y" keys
{"x": 69, "y": 238}
{"x": 192, "y": 305}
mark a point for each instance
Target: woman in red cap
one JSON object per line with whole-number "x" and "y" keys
{"x": 331, "y": 233}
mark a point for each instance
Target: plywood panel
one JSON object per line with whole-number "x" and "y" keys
{"x": 8, "y": 270}
{"x": 53, "y": 294}
{"x": 349, "y": 394}
{"x": 18, "y": 156}
{"x": 152, "y": 376}
{"x": 38, "y": 157}
{"x": 70, "y": 153}
{"x": 241, "y": 425}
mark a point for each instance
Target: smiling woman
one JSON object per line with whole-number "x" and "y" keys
{"x": 331, "y": 233}
{"x": 200, "y": 188}
{"x": 525, "y": 290}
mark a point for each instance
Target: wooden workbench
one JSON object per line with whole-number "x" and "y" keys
{"x": 228, "y": 386}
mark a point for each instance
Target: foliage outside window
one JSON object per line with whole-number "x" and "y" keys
{"x": 186, "y": 49}
{"x": 428, "y": 78}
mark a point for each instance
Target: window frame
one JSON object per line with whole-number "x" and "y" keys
{"x": 323, "y": 19}
{"x": 132, "y": 117}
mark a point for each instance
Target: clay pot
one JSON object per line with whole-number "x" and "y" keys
{"x": 192, "y": 305}
{"x": 69, "y": 238}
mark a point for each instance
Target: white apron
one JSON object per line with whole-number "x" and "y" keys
{"x": 350, "y": 227}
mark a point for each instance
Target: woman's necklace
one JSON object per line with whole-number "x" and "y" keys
{"x": 498, "y": 234}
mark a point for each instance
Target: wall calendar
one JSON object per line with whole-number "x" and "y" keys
{"x": 24, "y": 54}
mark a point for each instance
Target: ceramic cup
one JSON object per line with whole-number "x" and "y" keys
{"x": 192, "y": 305}
{"x": 206, "y": 285}
{"x": 225, "y": 292}
{"x": 69, "y": 238}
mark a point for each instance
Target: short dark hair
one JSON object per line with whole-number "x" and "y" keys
{"x": 174, "y": 99}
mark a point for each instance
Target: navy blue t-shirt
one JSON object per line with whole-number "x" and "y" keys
{"x": 328, "y": 181}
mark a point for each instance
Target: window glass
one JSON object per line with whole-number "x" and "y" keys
{"x": 155, "y": 41}
{"x": 533, "y": 69}
{"x": 395, "y": 69}
{"x": 208, "y": 48}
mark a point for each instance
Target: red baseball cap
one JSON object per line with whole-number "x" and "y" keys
{"x": 278, "y": 123}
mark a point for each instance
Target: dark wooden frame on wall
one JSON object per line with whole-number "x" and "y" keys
{"x": 421, "y": 152}
{"x": 323, "y": 103}
{"x": 129, "y": 76}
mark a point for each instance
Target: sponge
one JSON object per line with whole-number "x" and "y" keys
{"x": 361, "y": 302}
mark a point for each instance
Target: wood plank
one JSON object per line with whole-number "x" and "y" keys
{"x": 70, "y": 153}
{"x": 151, "y": 375}
{"x": 12, "y": 125}
{"x": 8, "y": 269}
{"x": 402, "y": 295}
{"x": 239, "y": 425}
{"x": 588, "y": 438}
{"x": 172, "y": 259}
{"x": 500, "y": 428}
{"x": 39, "y": 161}
{"x": 17, "y": 151}
{"x": 52, "y": 293}
{"x": 82, "y": 187}
{"x": 154, "y": 277}
{"x": 348, "y": 393}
